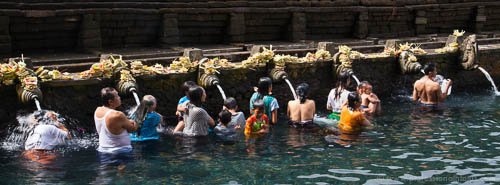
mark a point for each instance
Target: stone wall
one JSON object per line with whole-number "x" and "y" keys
{"x": 91, "y": 25}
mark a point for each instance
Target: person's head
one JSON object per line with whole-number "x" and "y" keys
{"x": 353, "y": 100}
{"x": 231, "y": 104}
{"x": 148, "y": 104}
{"x": 430, "y": 69}
{"x": 302, "y": 90}
{"x": 365, "y": 87}
{"x": 265, "y": 86}
{"x": 259, "y": 108}
{"x": 225, "y": 117}
{"x": 44, "y": 117}
{"x": 343, "y": 79}
{"x": 186, "y": 85}
{"x": 196, "y": 95}
{"x": 110, "y": 97}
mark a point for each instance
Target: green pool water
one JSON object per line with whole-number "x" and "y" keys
{"x": 457, "y": 144}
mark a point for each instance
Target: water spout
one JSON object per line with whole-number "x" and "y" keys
{"x": 291, "y": 88}
{"x": 221, "y": 91}
{"x": 355, "y": 78}
{"x": 491, "y": 80}
{"x": 37, "y": 103}
{"x": 137, "y": 100}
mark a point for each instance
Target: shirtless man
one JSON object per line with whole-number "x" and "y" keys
{"x": 426, "y": 90}
{"x": 112, "y": 126}
{"x": 301, "y": 111}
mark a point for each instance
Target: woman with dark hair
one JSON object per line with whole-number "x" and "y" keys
{"x": 265, "y": 88}
{"x": 196, "y": 119}
{"x": 352, "y": 119}
{"x": 338, "y": 95}
{"x": 301, "y": 111}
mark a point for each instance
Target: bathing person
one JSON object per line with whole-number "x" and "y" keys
{"x": 237, "y": 118}
{"x": 258, "y": 123}
{"x": 265, "y": 87}
{"x": 113, "y": 128}
{"x": 369, "y": 100}
{"x": 352, "y": 120}
{"x": 338, "y": 96}
{"x": 185, "y": 88}
{"x": 428, "y": 92}
{"x": 224, "y": 131}
{"x": 301, "y": 111}
{"x": 146, "y": 118}
{"x": 196, "y": 119}
{"x": 46, "y": 133}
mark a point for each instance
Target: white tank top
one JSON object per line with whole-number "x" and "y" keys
{"x": 109, "y": 142}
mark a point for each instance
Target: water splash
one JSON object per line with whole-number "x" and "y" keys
{"x": 136, "y": 98}
{"x": 491, "y": 80}
{"x": 356, "y": 78}
{"x": 221, "y": 92}
{"x": 291, "y": 88}
{"x": 37, "y": 103}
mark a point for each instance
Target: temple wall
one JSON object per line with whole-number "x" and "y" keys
{"x": 90, "y": 25}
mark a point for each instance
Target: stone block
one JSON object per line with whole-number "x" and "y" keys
{"x": 194, "y": 54}
{"x": 420, "y": 20}
{"x": 421, "y": 13}
{"x": 39, "y": 13}
{"x": 392, "y": 43}
{"x": 254, "y": 49}
{"x": 328, "y": 46}
{"x": 480, "y": 18}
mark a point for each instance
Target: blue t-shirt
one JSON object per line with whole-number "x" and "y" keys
{"x": 182, "y": 100}
{"x": 148, "y": 128}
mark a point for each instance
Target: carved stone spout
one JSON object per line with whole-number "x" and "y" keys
{"x": 208, "y": 80}
{"x": 28, "y": 95}
{"x": 278, "y": 75}
{"x": 342, "y": 62}
{"x": 468, "y": 53}
{"x": 408, "y": 63}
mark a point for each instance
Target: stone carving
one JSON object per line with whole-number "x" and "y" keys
{"x": 408, "y": 62}
{"x": 467, "y": 53}
{"x": 342, "y": 60}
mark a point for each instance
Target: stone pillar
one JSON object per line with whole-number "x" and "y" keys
{"x": 361, "y": 27}
{"x": 328, "y": 46}
{"x": 420, "y": 22}
{"x": 170, "y": 31}
{"x": 194, "y": 54}
{"x": 236, "y": 28}
{"x": 480, "y": 19}
{"x": 89, "y": 37}
{"x": 298, "y": 27}
{"x": 5, "y": 41}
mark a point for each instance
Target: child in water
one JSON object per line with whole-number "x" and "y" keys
{"x": 224, "y": 131}
{"x": 369, "y": 100}
{"x": 237, "y": 118}
{"x": 146, "y": 118}
{"x": 258, "y": 123}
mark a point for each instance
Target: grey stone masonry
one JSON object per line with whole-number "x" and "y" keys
{"x": 169, "y": 35}
{"x": 5, "y": 40}
{"x": 236, "y": 28}
{"x": 298, "y": 27}
{"x": 361, "y": 27}
{"x": 89, "y": 37}
{"x": 480, "y": 19}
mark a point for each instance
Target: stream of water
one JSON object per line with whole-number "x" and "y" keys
{"x": 355, "y": 78}
{"x": 487, "y": 75}
{"x": 221, "y": 92}
{"x": 37, "y": 103}
{"x": 291, "y": 88}
{"x": 137, "y": 100}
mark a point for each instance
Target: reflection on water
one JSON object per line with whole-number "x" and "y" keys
{"x": 456, "y": 144}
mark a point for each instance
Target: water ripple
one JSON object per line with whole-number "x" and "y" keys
{"x": 313, "y": 176}
{"x": 360, "y": 172}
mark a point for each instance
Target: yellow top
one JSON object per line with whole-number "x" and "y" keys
{"x": 350, "y": 121}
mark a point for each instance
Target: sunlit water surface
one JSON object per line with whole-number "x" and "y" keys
{"x": 457, "y": 144}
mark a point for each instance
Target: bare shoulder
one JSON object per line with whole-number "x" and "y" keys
{"x": 116, "y": 115}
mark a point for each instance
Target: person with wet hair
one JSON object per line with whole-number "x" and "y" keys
{"x": 338, "y": 95}
{"x": 369, "y": 100}
{"x": 237, "y": 118}
{"x": 426, "y": 91}
{"x": 302, "y": 110}
{"x": 224, "y": 131}
{"x": 352, "y": 120}
{"x": 113, "y": 128}
{"x": 264, "y": 91}
{"x": 196, "y": 119}
{"x": 258, "y": 123}
{"x": 46, "y": 133}
{"x": 180, "y": 109}
{"x": 146, "y": 118}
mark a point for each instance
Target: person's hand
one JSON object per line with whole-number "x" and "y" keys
{"x": 52, "y": 116}
{"x": 449, "y": 83}
{"x": 224, "y": 108}
{"x": 255, "y": 89}
{"x": 237, "y": 127}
